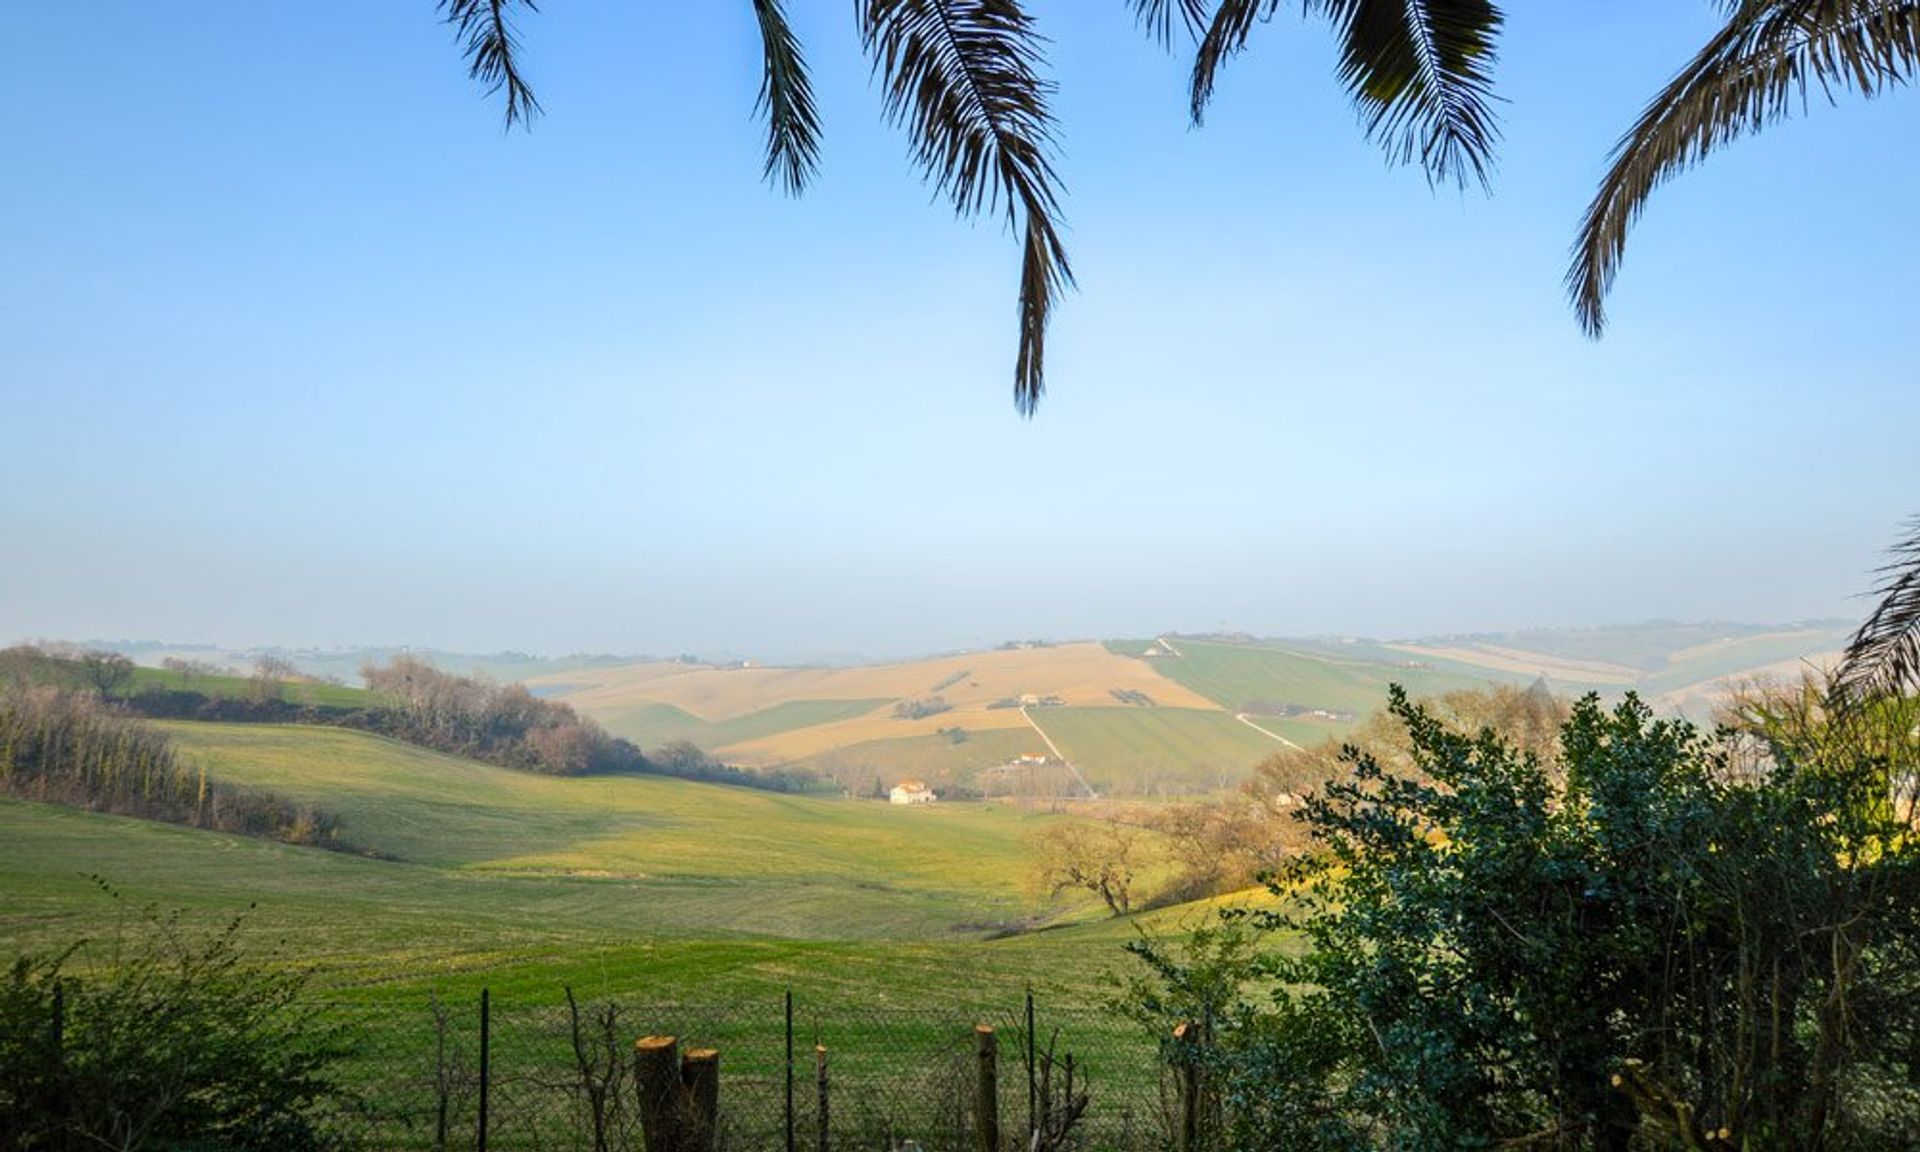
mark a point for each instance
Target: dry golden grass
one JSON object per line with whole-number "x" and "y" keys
{"x": 1704, "y": 699}
{"x": 785, "y": 747}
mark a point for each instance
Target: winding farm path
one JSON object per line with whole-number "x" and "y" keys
{"x": 1242, "y": 717}
{"x": 1057, "y": 754}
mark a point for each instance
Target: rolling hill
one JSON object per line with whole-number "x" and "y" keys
{"x": 1142, "y": 716}
{"x": 615, "y": 884}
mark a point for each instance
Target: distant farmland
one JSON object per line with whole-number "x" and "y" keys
{"x": 1144, "y": 750}
{"x": 1233, "y": 674}
{"x": 1176, "y": 728}
{"x": 659, "y": 723}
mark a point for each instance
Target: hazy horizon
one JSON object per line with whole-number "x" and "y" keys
{"x": 297, "y": 348}
{"x": 157, "y": 645}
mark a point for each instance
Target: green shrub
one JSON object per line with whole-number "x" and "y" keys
{"x": 162, "y": 1041}
{"x": 1646, "y": 938}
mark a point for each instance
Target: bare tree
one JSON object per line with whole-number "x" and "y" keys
{"x": 269, "y": 673}
{"x": 105, "y": 671}
{"x": 1100, "y": 857}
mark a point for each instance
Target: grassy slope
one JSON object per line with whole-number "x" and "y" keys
{"x": 377, "y": 930}
{"x": 1179, "y": 746}
{"x": 622, "y": 886}
{"x": 1231, "y": 674}
{"x": 932, "y": 758}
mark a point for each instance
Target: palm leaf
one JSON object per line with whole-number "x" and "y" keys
{"x": 1751, "y": 74}
{"x": 786, "y": 97}
{"x": 1883, "y": 659}
{"x": 963, "y": 76}
{"x": 1420, "y": 72}
{"x": 1157, "y": 17}
{"x": 491, "y": 47}
{"x": 1225, "y": 37}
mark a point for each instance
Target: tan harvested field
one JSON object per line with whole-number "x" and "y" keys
{"x": 1701, "y": 700}
{"x": 799, "y": 743}
{"x": 1527, "y": 663}
{"x": 1079, "y": 673}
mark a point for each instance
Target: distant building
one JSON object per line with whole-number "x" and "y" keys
{"x": 911, "y": 792}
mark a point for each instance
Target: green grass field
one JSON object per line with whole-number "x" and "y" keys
{"x": 619, "y": 886}
{"x": 931, "y": 758}
{"x": 1233, "y": 674}
{"x": 650, "y": 725}
{"x": 1152, "y": 749}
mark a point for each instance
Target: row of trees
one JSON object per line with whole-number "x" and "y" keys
{"x": 67, "y": 746}
{"x": 505, "y": 724}
{"x": 495, "y": 723}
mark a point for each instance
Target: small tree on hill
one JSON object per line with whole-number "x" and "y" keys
{"x": 1100, "y": 858}
{"x": 106, "y": 672}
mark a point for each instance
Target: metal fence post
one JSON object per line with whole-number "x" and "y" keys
{"x": 1033, "y": 1092}
{"x": 486, "y": 1025}
{"x": 790, "y": 1147}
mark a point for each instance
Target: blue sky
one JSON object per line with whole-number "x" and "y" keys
{"x": 296, "y": 346}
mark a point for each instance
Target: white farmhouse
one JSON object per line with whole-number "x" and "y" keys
{"x": 911, "y": 792}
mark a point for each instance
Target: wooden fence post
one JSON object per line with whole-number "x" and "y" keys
{"x": 656, "y": 1076}
{"x": 1188, "y": 1073}
{"x": 820, "y": 1079}
{"x": 700, "y": 1080}
{"x": 986, "y": 1094}
{"x": 1033, "y": 1088}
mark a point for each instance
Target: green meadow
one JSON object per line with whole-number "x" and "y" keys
{"x": 618, "y": 886}
{"x": 1234, "y": 674}
{"x": 1181, "y": 748}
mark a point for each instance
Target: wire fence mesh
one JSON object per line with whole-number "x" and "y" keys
{"x": 560, "y": 1075}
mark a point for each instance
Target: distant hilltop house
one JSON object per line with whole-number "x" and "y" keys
{"x": 911, "y": 792}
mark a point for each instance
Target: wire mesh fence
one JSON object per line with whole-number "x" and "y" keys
{"x": 487, "y": 1073}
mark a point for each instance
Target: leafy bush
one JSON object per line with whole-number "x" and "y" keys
{"x": 168, "y": 1043}
{"x": 1648, "y": 938}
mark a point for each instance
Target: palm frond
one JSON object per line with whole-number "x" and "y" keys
{"x": 786, "y": 97}
{"x": 1750, "y": 75}
{"x": 1883, "y": 658}
{"x": 963, "y": 76}
{"x": 1421, "y": 73}
{"x": 1157, "y": 17}
{"x": 1225, "y": 37}
{"x": 491, "y": 47}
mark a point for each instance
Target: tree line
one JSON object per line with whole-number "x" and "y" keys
{"x": 67, "y": 746}
{"x": 409, "y": 700}
{"x": 507, "y": 725}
